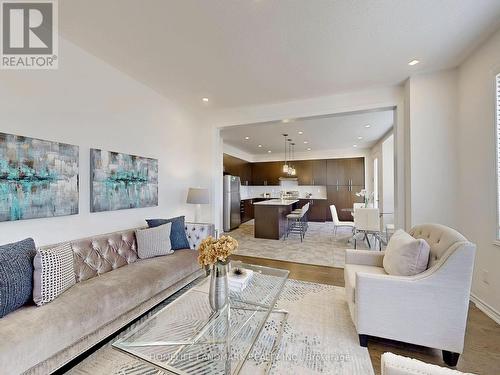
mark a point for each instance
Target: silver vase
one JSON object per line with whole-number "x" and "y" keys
{"x": 218, "y": 294}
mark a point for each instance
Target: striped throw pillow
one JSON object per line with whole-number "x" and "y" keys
{"x": 54, "y": 272}
{"x": 154, "y": 242}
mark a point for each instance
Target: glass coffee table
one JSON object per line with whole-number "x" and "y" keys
{"x": 187, "y": 337}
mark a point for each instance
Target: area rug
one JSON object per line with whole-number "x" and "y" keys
{"x": 319, "y": 246}
{"x": 319, "y": 338}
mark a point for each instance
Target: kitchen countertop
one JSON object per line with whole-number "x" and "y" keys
{"x": 277, "y": 202}
{"x": 245, "y": 199}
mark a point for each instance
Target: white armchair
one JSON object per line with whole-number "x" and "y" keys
{"x": 428, "y": 309}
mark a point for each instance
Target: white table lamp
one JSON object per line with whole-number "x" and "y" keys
{"x": 198, "y": 196}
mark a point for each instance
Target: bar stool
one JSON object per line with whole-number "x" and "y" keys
{"x": 297, "y": 222}
{"x": 304, "y": 218}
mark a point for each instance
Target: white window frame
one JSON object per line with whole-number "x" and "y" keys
{"x": 497, "y": 152}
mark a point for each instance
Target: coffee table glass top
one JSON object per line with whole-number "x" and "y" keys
{"x": 187, "y": 337}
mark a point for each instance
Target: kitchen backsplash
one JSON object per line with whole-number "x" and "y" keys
{"x": 248, "y": 192}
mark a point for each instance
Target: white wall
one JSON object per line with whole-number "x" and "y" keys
{"x": 433, "y": 148}
{"x": 477, "y": 184}
{"x": 388, "y": 179}
{"x": 90, "y": 104}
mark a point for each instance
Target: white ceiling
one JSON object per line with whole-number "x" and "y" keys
{"x": 337, "y": 132}
{"x": 240, "y": 53}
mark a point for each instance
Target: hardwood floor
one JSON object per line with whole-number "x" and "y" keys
{"x": 482, "y": 341}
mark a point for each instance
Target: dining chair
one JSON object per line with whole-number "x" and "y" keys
{"x": 337, "y": 223}
{"x": 367, "y": 221}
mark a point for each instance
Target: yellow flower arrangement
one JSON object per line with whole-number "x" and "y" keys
{"x": 212, "y": 250}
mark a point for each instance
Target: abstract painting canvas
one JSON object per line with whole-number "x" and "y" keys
{"x": 37, "y": 178}
{"x": 120, "y": 181}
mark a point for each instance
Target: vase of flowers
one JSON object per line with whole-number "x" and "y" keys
{"x": 215, "y": 253}
{"x": 367, "y": 197}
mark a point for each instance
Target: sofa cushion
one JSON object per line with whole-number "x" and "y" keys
{"x": 405, "y": 255}
{"x": 54, "y": 272}
{"x": 85, "y": 308}
{"x": 16, "y": 275}
{"x": 153, "y": 242}
{"x": 178, "y": 237}
{"x": 350, "y": 271}
{"x": 97, "y": 255}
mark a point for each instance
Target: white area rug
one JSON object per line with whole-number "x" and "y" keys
{"x": 319, "y": 338}
{"x": 318, "y": 248}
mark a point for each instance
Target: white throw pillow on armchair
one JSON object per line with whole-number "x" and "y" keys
{"x": 405, "y": 255}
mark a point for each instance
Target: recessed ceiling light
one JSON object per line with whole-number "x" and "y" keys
{"x": 301, "y": 132}
{"x": 205, "y": 100}
{"x": 360, "y": 138}
{"x": 354, "y": 146}
{"x": 306, "y": 142}
{"x": 309, "y": 149}
{"x": 259, "y": 146}
{"x": 269, "y": 151}
{"x": 413, "y": 62}
{"x": 286, "y": 120}
{"x": 368, "y": 126}
{"x": 247, "y": 138}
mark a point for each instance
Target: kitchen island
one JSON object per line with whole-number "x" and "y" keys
{"x": 270, "y": 217}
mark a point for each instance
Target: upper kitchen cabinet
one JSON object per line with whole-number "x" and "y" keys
{"x": 266, "y": 173}
{"x": 304, "y": 171}
{"x": 344, "y": 172}
{"x": 238, "y": 167}
{"x": 336, "y": 172}
{"x": 318, "y": 172}
{"x": 355, "y": 171}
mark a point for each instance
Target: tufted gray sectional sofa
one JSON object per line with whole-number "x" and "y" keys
{"x": 113, "y": 288}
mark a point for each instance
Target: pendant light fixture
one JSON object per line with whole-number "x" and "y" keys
{"x": 291, "y": 169}
{"x": 285, "y": 165}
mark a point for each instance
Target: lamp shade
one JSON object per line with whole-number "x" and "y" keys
{"x": 197, "y": 196}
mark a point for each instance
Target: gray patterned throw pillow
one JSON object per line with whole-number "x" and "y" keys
{"x": 154, "y": 242}
{"x": 54, "y": 273}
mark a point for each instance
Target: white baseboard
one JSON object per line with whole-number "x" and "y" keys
{"x": 487, "y": 309}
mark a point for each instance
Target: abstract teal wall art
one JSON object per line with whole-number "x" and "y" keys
{"x": 119, "y": 181}
{"x": 38, "y": 178}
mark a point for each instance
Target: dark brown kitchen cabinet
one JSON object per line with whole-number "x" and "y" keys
{"x": 355, "y": 171}
{"x": 349, "y": 171}
{"x": 318, "y": 172}
{"x": 267, "y": 173}
{"x": 317, "y": 209}
{"x": 336, "y": 172}
{"x": 246, "y": 210}
{"x": 340, "y": 196}
{"x": 304, "y": 171}
{"x": 238, "y": 167}
{"x": 342, "y": 172}
{"x": 343, "y": 197}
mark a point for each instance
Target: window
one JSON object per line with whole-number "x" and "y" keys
{"x": 497, "y": 138}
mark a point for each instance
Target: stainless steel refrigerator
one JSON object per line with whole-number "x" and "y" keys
{"x": 231, "y": 203}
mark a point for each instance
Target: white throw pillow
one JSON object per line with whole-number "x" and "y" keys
{"x": 54, "y": 272}
{"x": 405, "y": 255}
{"x": 154, "y": 242}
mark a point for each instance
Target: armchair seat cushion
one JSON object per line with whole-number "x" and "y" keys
{"x": 350, "y": 271}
